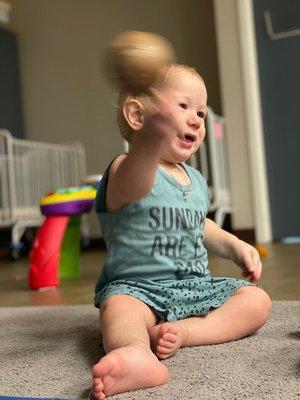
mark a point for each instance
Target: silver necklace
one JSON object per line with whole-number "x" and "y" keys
{"x": 185, "y": 191}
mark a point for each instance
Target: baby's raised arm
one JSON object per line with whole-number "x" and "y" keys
{"x": 132, "y": 176}
{"x": 135, "y": 63}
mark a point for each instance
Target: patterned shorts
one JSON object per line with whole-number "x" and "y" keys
{"x": 173, "y": 300}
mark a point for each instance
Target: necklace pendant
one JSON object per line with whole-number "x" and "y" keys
{"x": 184, "y": 194}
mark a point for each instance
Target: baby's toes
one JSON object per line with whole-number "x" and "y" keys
{"x": 169, "y": 327}
{"x": 163, "y": 352}
{"x": 165, "y": 343}
{"x": 170, "y": 337}
{"x": 97, "y": 385}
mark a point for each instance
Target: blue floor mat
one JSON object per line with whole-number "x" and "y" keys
{"x": 27, "y": 398}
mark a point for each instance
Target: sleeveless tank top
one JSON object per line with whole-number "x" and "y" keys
{"x": 159, "y": 237}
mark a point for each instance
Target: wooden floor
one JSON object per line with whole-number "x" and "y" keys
{"x": 280, "y": 278}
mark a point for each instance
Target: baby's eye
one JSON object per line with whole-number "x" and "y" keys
{"x": 183, "y": 106}
{"x": 201, "y": 114}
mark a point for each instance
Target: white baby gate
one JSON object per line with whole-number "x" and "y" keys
{"x": 212, "y": 160}
{"x": 28, "y": 171}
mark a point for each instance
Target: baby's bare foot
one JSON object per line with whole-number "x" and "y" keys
{"x": 166, "y": 339}
{"x": 128, "y": 368}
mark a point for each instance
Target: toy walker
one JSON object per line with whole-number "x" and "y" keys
{"x": 56, "y": 248}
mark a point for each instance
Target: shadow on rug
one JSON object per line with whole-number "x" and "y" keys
{"x": 48, "y": 352}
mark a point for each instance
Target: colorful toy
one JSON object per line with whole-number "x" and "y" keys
{"x": 55, "y": 251}
{"x": 70, "y": 201}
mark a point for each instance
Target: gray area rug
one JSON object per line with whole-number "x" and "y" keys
{"x": 48, "y": 352}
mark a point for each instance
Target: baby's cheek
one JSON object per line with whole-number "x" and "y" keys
{"x": 202, "y": 132}
{"x": 201, "y": 135}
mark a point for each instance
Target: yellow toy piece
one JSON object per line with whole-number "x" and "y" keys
{"x": 69, "y": 194}
{"x": 262, "y": 250}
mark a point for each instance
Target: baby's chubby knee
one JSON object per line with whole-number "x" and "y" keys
{"x": 125, "y": 306}
{"x": 115, "y": 303}
{"x": 264, "y": 304}
{"x": 259, "y": 304}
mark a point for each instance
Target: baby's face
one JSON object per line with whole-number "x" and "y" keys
{"x": 189, "y": 97}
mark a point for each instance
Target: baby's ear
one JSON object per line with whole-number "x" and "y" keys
{"x": 133, "y": 111}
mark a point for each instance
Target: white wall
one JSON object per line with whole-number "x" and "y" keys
{"x": 232, "y": 95}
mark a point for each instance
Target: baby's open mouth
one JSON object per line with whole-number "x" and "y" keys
{"x": 189, "y": 138}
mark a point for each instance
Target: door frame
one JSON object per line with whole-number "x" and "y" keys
{"x": 243, "y": 18}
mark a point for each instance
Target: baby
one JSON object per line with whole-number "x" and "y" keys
{"x": 155, "y": 292}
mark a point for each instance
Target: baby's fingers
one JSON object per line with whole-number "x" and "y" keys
{"x": 248, "y": 264}
{"x": 161, "y": 110}
{"x": 160, "y": 103}
{"x": 251, "y": 268}
{"x": 257, "y": 272}
{"x": 158, "y": 98}
{"x": 257, "y": 264}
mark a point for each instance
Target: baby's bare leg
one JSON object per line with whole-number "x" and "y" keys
{"x": 244, "y": 313}
{"x": 129, "y": 363}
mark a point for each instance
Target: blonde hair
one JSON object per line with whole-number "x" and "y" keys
{"x": 125, "y": 95}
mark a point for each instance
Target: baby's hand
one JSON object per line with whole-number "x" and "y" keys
{"x": 160, "y": 116}
{"x": 247, "y": 257}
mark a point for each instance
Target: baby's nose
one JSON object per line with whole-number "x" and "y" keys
{"x": 194, "y": 121}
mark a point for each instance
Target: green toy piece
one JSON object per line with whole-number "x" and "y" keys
{"x": 70, "y": 250}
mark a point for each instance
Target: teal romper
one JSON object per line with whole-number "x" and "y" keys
{"x": 155, "y": 250}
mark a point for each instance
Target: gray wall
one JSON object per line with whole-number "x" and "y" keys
{"x": 11, "y": 117}
{"x": 279, "y": 69}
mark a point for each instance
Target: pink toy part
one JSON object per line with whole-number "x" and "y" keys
{"x": 45, "y": 253}
{"x": 219, "y": 134}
